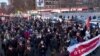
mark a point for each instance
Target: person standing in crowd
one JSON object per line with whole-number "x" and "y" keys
{"x": 87, "y": 35}
{"x": 10, "y": 51}
{"x": 79, "y": 37}
{"x": 21, "y": 49}
{"x": 42, "y": 48}
{"x": 28, "y": 51}
{"x": 27, "y": 34}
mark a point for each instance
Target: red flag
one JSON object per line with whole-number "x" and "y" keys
{"x": 88, "y": 23}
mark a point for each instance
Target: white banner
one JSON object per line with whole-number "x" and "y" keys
{"x": 40, "y": 3}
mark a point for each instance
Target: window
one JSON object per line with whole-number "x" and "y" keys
{"x": 48, "y": 3}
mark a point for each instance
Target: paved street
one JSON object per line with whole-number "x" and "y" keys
{"x": 95, "y": 53}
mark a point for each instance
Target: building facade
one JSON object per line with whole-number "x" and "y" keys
{"x": 52, "y": 4}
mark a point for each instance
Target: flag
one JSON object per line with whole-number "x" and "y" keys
{"x": 88, "y": 23}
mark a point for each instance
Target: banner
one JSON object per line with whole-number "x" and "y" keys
{"x": 40, "y": 3}
{"x": 84, "y": 48}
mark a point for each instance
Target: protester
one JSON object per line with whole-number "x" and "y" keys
{"x": 38, "y": 37}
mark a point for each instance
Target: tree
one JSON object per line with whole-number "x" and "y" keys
{"x": 23, "y": 5}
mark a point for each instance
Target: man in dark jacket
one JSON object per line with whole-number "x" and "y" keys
{"x": 42, "y": 49}
{"x": 28, "y": 51}
{"x": 21, "y": 49}
{"x": 10, "y": 51}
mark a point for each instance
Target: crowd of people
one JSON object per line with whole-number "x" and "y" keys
{"x": 36, "y": 37}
